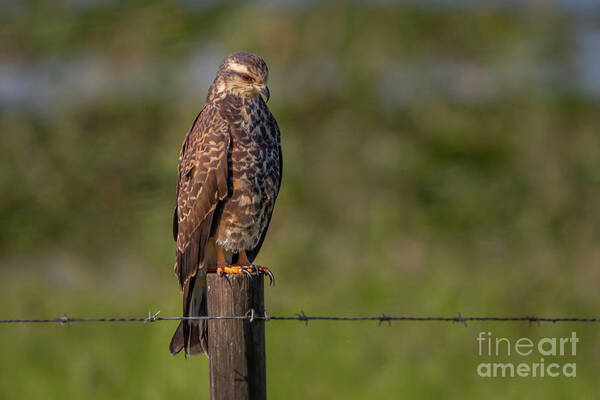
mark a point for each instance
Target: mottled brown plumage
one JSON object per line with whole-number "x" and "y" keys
{"x": 228, "y": 179}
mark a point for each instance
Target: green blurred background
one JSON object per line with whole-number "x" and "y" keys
{"x": 439, "y": 157}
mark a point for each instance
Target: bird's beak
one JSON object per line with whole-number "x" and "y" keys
{"x": 265, "y": 92}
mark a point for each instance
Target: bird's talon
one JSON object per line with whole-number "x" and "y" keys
{"x": 271, "y": 278}
{"x": 265, "y": 271}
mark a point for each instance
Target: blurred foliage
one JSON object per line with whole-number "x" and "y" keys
{"x": 426, "y": 171}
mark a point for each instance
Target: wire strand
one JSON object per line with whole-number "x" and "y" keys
{"x": 252, "y": 316}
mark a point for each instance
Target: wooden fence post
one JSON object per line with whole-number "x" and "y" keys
{"x": 236, "y": 347}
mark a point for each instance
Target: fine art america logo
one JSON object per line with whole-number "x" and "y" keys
{"x": 551, "y": 347}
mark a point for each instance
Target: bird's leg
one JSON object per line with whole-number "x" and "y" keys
{"x": 221, "y": 260}
{"x": 243, "y": 259}
{"x": 222, "y": 266}
{"x": 243, "y": 265}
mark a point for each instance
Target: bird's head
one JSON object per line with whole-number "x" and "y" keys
{"x": 243, "y": 74}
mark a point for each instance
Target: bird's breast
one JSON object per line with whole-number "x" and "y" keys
{"x": 254, "y": 177}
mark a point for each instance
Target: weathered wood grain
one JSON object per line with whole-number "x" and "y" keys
{"x": 236, "y": 347}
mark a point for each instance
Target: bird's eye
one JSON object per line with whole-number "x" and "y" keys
{"x": 247, "y": 78}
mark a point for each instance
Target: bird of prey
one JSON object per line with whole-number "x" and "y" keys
{"x": 229, "y": 175}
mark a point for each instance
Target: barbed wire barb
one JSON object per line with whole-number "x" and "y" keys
{"x": 152, "y": 318}
{"x": 303, "y": 317}
{"x": 459, "y": 318}
{"x": 384, "y": 318}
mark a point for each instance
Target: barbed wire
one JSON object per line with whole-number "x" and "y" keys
{"x": 302, "y": 317}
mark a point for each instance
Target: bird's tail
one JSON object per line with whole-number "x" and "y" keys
{"x": 192, "y": 335}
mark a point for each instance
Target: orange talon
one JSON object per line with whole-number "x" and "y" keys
{"x": 244, "y": 266}
{"x": 231, "y": 270}
{"x": 243, "y": 269}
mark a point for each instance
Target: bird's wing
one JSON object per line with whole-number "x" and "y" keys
{"x": 271, "y": 125}
{"x": 202, "y": 182}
